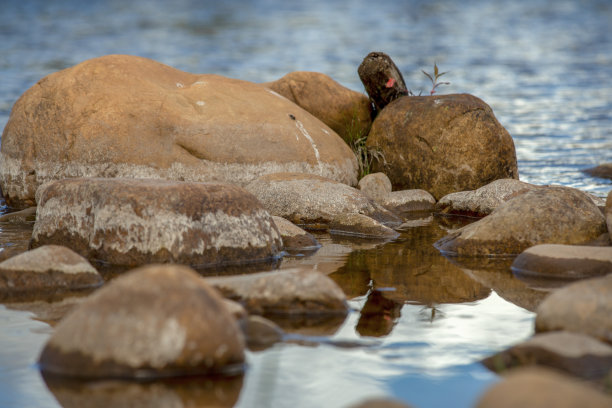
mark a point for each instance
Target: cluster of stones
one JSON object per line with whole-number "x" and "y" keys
{"x": 132, "y": 162}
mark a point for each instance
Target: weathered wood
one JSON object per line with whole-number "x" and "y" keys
{"x": 382, "y": 80}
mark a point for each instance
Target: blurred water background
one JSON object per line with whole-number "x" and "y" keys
{"x": 545, "y": 67}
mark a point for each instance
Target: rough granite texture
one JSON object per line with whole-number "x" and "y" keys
{"x": 376, "y": 186}
{"x": 156, "y": 321}
{"x": 138, "y": 221}
{"x": 127, "y": 116}
{"x": 408, "y": 201}
{"x": 442, "y": 144}
{"x": 294, "y": 238}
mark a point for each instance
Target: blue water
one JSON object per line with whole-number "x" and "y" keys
{"x": 545, "y": 67}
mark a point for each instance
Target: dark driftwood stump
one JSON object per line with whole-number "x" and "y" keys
{"x": 382, "y": 80}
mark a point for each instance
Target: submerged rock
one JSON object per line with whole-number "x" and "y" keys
{"x": 127, "y": 116}
{"x": 582, "y": 307}
{"x": 603, "y": 171}
{"x": 20, "y": 217}
{"x": 346, "y": 111}
{"x": 576, "y": 354}
{"x": 155, "y": 321}
{"x": 551, "y": 215}
{"x": 408, "y": 200}
{"x": 375, "y": 185}
{"x": 47, "y": 268}
{"x": 294, "y": 238}
{"x": 291, "y": 291}
{"x": 542, "y": 388}
{"x": 360, "y": 225}
{"x": 442, "y": 144}
{"x": 553, "y": 261}
{"x": 138, "y": 221}
{"x": 482, "y": 201}
{"x": 313, "y": 201}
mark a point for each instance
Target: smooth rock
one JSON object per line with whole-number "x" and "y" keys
{"x": 290, "y": 291}
{"x": 375, "y": 185}
{"x": 19, "y": 217}
{"x": 581, "y": 307}
{"x": 542, "y": 388}
{"x": 313, "y": 201}
{"x": 380, "y": 403}
{"x": 346, "y": 111}
{"x": 482, "y": 201}
{"x": 575, "y": 354}
{"x": 294, "y": 238}
{"x": 563, "y": 261}
{"x": 47, "y": 268}
{"x": 360, "y": 225}
{"x": 138, "y": 221}
{"x": 550, "y": 215}
{"x": 602, "y": 171}
{"x": 442, "y": 144}
{"x": 260, "y": 333}
{"x": 132, "y": 117}
{"x": 408, "y": 200}
{"x": 155, "y": 321}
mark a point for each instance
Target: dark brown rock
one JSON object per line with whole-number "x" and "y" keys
{"x": 44, "y": 269}
{"x": 260, "y": 333}
{"x": 482, "y": 201}
{"x": 375, "y": 185}
{"x": 581, "y": 307}
{"x": 295, "y": 238}
{"x": 313, "y": 201}
{"x": 156, "y": 321}
{"x": 127, "y": 116}
{"x": 380, "y": 403}
{"x": 290, "y": 291}
{"x": 608, "y": 211}
{"x": 382, "y": 80}
{"x": 575, "y": 354}
{"x": 602, "y": 171}
{"x": 551, "y": 215}
{"x": 542, "y": 388}
{"x": 138, "y": 221}
{"x": 442, "y": 144}
{"x": 346, "y": 111}
{"x": 563, "y": 262}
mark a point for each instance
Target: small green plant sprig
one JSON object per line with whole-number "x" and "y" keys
{"x": 434, "y": 79}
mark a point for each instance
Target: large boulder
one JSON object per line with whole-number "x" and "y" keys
{"x": 156, "y": 321}
{"x": 582, "y": 307}
{"x": 547, "y": 215}
{"x": 442, "y": 144}
{"x": 346, "y": 111}
{"x": 138, "y": 221}
{"x": 307, "y": 199}
{"x": 127, "y": 116}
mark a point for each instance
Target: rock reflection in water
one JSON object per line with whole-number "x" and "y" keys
{"x": 378, "y": 315}
{"x": 177, "y": 393}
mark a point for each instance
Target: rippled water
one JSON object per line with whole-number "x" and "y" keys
{"x": 544, "y": 67}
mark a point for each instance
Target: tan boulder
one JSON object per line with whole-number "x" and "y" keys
{"x": 482, "y": 201}
{"x": 139, "y": 221}
{"x": 542, "y": 388}
{"x": 294, "y": 238}
{"x": 408, "y": 201}
{"x": 362, "y": 226}
{"x": 155, "y": 321}
{"x": 547, "y": 215}
{"x": 375, "y": 185}
{"x": 581, "y": 307}
{"x": 127, "y": 116}
{"x": 313, "y": 201}
{"x": 442, "y": 144}
{"x": 347, "y": 112}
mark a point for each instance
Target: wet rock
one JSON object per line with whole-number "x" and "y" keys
{"x": 602, "y": 171}
{"x": 581, "y": 307}
{"x": 542, "y": 388}
{"x": 442, "y": 144}
{"x": 346, "y": 111}
{"x": 260, "y": 333}
{"x": 360, "y": 225}
{"x": 155, "y": 321}
{"x": 20, "y": 217}
{"x": 576, "y": 354}
{"x": 408, "y": 200}
{"x": 608, "y": 212}
{"x": 375, "y": 185}
{"x": 127, "y": 116}
{"x": 482, "y": 201}
{"x": 550, "y": 261}
{"x": 294, "y": 238}
{"x": 313, "y": 201}
{"x": 551, "y": 215}
{"x": 292, "y": 291}
{"x": 138, "y": 221}
{"x": 47, "y": 268}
